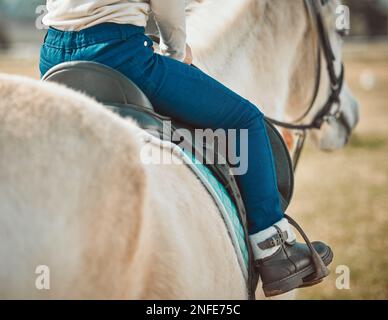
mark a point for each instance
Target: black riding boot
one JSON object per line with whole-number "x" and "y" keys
{"x": 286, "y": 264}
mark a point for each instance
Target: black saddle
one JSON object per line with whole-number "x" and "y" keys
{"x": 122, "y": 96}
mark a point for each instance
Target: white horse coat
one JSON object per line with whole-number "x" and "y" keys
{"x": 75, "y": 197}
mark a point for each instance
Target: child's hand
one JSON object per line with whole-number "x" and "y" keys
{"x": 189, "y": 55}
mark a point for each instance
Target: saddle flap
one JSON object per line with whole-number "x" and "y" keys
{"x": 283, "y": 165}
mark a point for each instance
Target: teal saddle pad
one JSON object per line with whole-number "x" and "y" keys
{"x": 226, "y": 206}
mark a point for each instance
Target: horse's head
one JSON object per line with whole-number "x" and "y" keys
{"x": 343, "y": 113}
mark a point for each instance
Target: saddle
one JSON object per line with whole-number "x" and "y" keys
{"x": 122, "y": 96}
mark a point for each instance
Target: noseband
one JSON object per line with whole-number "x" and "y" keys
{"x": 313, "y": 8}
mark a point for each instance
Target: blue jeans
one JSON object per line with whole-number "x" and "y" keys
{"x": 182, "y": 92}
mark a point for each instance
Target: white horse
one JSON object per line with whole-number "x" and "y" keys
{"x": 75, "y": 197}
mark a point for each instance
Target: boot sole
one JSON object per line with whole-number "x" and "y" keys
{"x": 295, "y": 281}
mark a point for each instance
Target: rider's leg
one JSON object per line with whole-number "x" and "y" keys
{"x": 187, "y": 94}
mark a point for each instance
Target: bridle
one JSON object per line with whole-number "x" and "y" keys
{"x": 313, "y": 8}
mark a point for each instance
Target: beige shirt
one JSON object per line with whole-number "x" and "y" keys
{"x": 75, "y": 15}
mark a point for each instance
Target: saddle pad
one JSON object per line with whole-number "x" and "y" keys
{"x": 219, "y": 194}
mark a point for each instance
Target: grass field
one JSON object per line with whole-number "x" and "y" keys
{"x": 340, "y": 197}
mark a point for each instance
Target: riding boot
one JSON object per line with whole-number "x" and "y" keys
{"x": 285, "y": 264}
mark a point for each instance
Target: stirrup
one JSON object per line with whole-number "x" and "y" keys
{"x": 321, "y": 270}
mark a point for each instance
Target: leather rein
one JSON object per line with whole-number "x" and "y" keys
{"x": 313, "y": 8}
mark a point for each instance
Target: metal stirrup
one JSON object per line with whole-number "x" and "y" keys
{"x": 321, "y": 270}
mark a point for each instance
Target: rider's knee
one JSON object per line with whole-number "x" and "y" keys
{"x": 252, "y": 115}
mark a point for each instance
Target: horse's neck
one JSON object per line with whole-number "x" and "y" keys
{"x": 250, "y": 46}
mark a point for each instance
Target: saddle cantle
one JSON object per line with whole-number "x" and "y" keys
{"x": 122, "y": 96}
{"x": 104, "y": 84}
